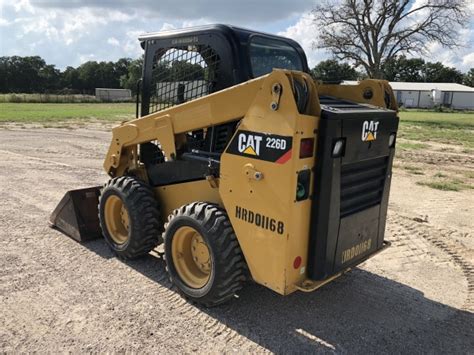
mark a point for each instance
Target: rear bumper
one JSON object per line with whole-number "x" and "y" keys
{"x": 312, "y": 285}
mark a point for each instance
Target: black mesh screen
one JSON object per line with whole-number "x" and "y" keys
{"x": 182, "y": 74}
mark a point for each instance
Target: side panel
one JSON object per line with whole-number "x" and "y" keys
{"x": 258, "y": 187}
{"x": 173, "y": 196}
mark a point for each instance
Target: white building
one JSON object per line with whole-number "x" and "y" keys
{"x": 106, "y": 94}
{"x": 428, "y": 95}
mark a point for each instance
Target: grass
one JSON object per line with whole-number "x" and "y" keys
{"x": 441, "y": 127}
{"x": 442, "y": 182}
{"x": 47, "y": 98}
{"x": 416, "y": 127}
{"x": 439, "y": 119}
{"x": 414, "y": 170}
{"x": 469, "y": 174}
{"x": 36, "y": 113}
{"x": 411, "y": 146}
{"x": 448, "y": 185}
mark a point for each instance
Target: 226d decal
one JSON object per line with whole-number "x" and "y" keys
{"x": 268, "y": 147}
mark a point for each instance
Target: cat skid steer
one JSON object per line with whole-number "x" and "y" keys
{"x": 243, "y": 167}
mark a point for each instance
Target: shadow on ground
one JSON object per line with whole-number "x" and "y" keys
{"x": 358, "y": 312}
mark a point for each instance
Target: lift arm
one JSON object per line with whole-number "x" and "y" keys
{"x": 221, "y": 107}
{"x": 224, "y": 106}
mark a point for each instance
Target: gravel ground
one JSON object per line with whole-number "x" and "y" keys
{"x": 57, "y": 295}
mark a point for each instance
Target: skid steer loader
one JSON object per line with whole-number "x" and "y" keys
{"x": 243, "y": 166}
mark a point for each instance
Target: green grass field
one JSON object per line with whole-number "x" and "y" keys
{"x": 47, "y": 113}
{"x": 47, "y": 98}
{"x": 417, "y": 127}
{"x": 438, "y": 119}
{"x": 427, "y": 126}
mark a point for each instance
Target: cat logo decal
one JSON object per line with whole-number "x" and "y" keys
{"x": 369, "y": 131}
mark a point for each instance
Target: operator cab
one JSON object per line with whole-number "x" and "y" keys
{"x": 182, "y": 65}
{"x": 186, "y": 64}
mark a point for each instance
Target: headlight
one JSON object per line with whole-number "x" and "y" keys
{"x": 338, "y": 148}
{"x": 391, "y": 140}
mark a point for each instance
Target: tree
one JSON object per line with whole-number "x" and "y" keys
{"x": 332, "y": 70}
{"x": 469, "y": 78}
{"x": 438, "y": 73}
{"x": 372, "y": 32}
{"x": 134, "y": 73}
{"x": 93, "y": 75}
{"x": 121, "y": 67}
{"x": 184, "y": 70}
{"x": 50, "y": 78}
{"x": 70, "y": 79}
{"x": 417, "y": 70}
{"x": 27, "y": 74}
{"x": 403, "y": 69}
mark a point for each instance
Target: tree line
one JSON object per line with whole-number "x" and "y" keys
{"x": 397, "y": 69}
{"x": 34, "y": 75}
{"x": 374, "y": 35}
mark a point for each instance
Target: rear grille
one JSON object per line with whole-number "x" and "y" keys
{"x": 362, "y": 185}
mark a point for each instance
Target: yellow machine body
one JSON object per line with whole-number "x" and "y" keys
{"x": 271, "y": 226}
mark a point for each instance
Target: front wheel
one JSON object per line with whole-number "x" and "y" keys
{"x": 129, "y": 217}
{"x": 203, "y": 256}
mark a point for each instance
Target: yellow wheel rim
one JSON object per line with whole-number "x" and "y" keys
{"x": 191, "y": 257}
{"x": 116, "y": 219}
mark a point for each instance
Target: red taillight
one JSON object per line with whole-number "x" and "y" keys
{"x": 306, "y": 148}
{"x": 297, "y": 262}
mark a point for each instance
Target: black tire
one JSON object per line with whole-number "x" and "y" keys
{"x": 150, "y": 154}
{"x": 228, "y": 267}
{"x": 145, "y": 225}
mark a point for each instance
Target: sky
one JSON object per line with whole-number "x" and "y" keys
{"x": 71, "y": 32}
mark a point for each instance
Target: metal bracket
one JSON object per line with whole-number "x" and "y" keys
{"x": 276, "y": 95}
{"x": 252, "y": 173}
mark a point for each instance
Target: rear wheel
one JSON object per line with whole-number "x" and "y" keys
{"x": 203, "y": 257}
{"x": 129, "y": 217}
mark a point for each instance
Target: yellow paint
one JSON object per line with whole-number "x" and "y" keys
{"x": 270, "y": 191}
{"x": 191, "y": 257}
{"x": 116, "y": 219}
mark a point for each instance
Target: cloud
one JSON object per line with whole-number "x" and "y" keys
{"x": 86, "y": 57}
{"x": 113, "y": 41}
{"x": 304, "y": 32}
{"x": 459, "y": 57}
{"x": 69, "y": 32}
{"x": 167, "y": 27}
{"x": 242, "y": 11}
{"x": 468, "y": 60}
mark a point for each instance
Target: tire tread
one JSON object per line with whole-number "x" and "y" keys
{"x": 142, "y": 208}
{"x": 228, "y": 255}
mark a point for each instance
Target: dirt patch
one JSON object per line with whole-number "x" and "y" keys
{"x": 57, "y": 295}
